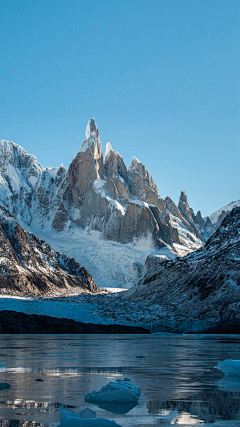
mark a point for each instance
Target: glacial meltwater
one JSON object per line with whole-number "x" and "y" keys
{"x": 176, "y": 373}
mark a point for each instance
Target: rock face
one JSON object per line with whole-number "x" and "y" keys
{"x": 204, "y": 285}
{"x": 92, "y": 194}
{"x": 184, "y": 214}
{"x": 143, "y": 186}
{"x": 116, "y": 171}
{"x": 28, "y": 265}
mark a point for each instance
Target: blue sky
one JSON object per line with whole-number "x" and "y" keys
{"x": 160, "y": 77}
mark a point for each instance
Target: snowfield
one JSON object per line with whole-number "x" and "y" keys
{"x": 112, "y": 264}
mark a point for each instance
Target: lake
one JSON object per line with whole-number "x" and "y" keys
{"x": 175, "y": 373}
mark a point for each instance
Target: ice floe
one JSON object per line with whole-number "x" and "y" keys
{"x": 115, "y": 392}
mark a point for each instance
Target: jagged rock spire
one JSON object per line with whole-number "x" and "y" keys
{"x": 116, "y": 171}
{"x": 93, "y": 144}
{"x": 92, "y": 141}
{"x": 184, "y": 207}
{"x": 188, "y": 214}
{"x": 91, "y": 128}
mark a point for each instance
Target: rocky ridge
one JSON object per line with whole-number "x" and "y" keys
{"x": 202, "y": 286}
{"x": 28, "y": 265}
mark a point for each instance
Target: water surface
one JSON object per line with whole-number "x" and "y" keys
{"x": 175, "y": 373}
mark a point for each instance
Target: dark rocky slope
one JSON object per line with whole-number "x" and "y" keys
{"x": 28, "y": 265}
{"x": 204, "y": 285}
{"x": 12, "y": 322}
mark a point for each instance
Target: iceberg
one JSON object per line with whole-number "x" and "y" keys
{"x": 229, "y": 367}
{"x": 115, "y": 392}
{"x": 70, "y": 418}
{"x": 65, "y": 413}
{"x": 87, "y": 413}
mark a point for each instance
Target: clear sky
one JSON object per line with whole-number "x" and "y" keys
{"x": 161, "y": 77}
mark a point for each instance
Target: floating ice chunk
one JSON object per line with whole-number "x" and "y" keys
{"x": 116, "y": 392}
{"x": 87, "y": 413}
{"x": 229, "y": 367}
{"x": 65, "y": 413}
{"x": 70, "y": 418}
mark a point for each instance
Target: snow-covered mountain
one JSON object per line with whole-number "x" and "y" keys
{"x": 210, "y": 224}
{"x": 98, "y": 209}
{"x": 202, "y": 286}
{"x": 216, "y": 216}
{"x": 28, "y": 265}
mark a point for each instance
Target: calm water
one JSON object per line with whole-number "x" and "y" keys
{"x": 175, "y": 373}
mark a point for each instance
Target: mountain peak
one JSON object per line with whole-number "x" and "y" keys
{"x": 108, "y": 150}
{"x": 134, "y": 162}
{"x": 183, "y": 197}
{"x": 91, "y": 128}
{"x": 92, "y": 140}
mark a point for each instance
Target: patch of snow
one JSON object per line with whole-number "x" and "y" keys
{"x": 98, "y": 185}
{"x": 32, "y": 180}
{"x": 138, "y": 202}
{"x": 53, "y": 171}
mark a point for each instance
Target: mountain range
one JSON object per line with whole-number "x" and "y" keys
{"x": 108, "y": 217}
